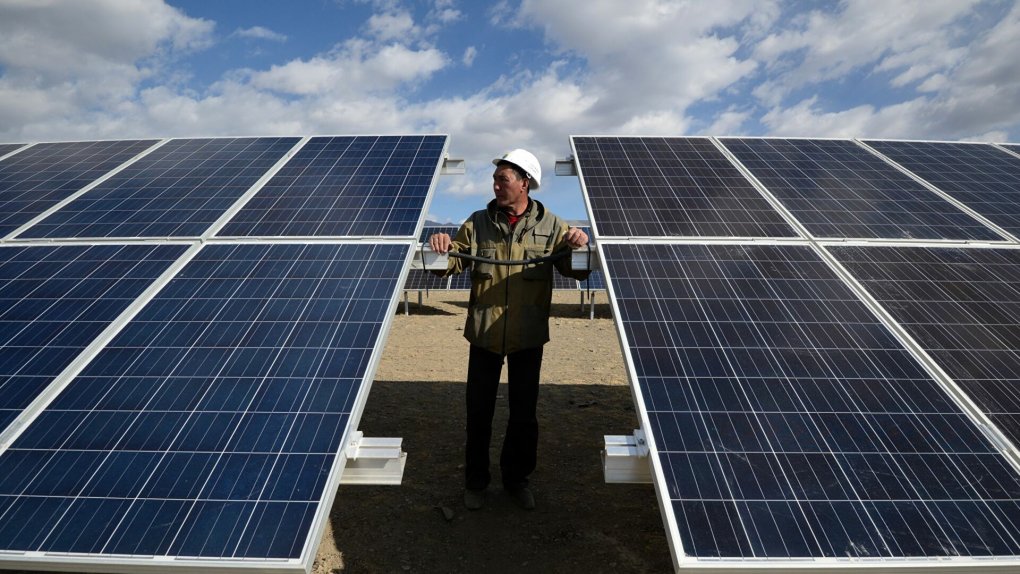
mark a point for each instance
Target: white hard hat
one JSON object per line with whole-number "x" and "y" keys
{"x": 525, "y": 160}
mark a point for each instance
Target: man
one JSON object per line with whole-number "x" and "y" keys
{"x": 508, "y": 317}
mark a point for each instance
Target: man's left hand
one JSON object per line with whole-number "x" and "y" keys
{"x": 576, "y": 238}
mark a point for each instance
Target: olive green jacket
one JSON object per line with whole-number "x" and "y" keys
{"x": 509, "y": 305}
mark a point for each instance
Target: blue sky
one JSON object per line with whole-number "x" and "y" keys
{"x": 508, "y": 74}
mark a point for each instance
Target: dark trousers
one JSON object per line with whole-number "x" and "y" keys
{"x": 520, "y": 444}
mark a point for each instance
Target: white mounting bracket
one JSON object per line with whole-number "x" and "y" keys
{"x": 373, "y": 460}
{"x": 566, "y": 166}
{"x": 625, "y": 459}
{"x": 452, "y": 166}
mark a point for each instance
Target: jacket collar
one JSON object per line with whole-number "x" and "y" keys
{"x": 534, "y": 210}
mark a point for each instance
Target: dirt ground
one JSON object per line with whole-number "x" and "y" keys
{"x": 581, "y": 524}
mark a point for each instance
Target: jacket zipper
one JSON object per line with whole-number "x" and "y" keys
{"x": 506, "y": 304}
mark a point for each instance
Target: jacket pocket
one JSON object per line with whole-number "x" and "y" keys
{"x": 481, "y": 270}
{"x": 536, "y": 271}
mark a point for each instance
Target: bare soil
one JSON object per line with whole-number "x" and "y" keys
{"x": 581, "y": 524}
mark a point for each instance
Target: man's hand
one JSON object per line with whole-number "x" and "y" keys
{"x": 575, "y": 238}
{"x": 440, "y": 242}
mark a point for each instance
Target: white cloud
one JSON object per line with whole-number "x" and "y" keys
{"x": 469, "y": 56}
{"x": 729, "y": 122}
{"x": 57, "y": 70}
{"x": 356, "y": 67}
{"x": 967, "y": 93}
{"x": 396, "y": 26}
{"x": 909, "y": 35}
{"x": 260, "y": 33}
{"x": 655, "y": 56}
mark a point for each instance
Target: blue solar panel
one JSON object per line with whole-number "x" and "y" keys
{"x": 55, "y": 300}
{"x": 429, "y": 230}
{"x": 789, "y": 423}
{"x": 837, "y": 189}
{"x": 984, "y": 178}
{"x": 663, "y": 187}
{"x": 1015, "y": 148}
{"x": 43, "y": 175}
{"x": 963, "y": 307}
{"x": 178, "y": 190}
{"x": 209, "y": 427}
{"x": 423, "y": 280}
{"x": 346, "y": 186}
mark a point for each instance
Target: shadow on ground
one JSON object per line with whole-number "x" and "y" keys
{"x": 580, "y": 524}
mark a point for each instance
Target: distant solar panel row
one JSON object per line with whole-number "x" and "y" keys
{"x": 45, "y": 174}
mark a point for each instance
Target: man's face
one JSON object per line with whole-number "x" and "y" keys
{"x": 510, "y": 189}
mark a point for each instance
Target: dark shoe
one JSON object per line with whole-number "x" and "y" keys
{"x": 474, "y": 499}
{"x": 525, "y": 499}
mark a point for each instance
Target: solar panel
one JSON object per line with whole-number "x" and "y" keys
{"x": 837, "y": 189}
{"x": 790, "y": 424}
{"x": 178, "y": 190}
{"x": 55, "y": 300}
{"x": 45, "y": 174}
{"x": 1015, "y": 148}
{"x": 662, "y": 187}
{"x": 345, "y": 186}
{"x": 9, "y": 147}
{"x": 429, "y": 230}
{"x": 209, "y": 428}
{"x": 984, "y": 178}
{"x": 422, "y": 280}
{"x": 963, "y": 307}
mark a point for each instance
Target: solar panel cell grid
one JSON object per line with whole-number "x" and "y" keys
{"x": 671, "y": 187}
{"x": 55, "y": 300}
{"x": 8, "y": 148}
{"x": 208, "y": 427}
{"x": 178, "y": 190}
{"x": 790, "y": 423}
{"x": 837, "y": 189}
{"x": 963, "y": 307}
{"x": 982, "y": 177}
{"x": 345, "y": 186}
{"x": 45, "y": 174}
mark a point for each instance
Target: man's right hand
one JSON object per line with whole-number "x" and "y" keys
{"x": 439, "y": 243}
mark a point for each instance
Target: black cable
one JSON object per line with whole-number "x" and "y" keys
{"x": 551, "y": 257}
